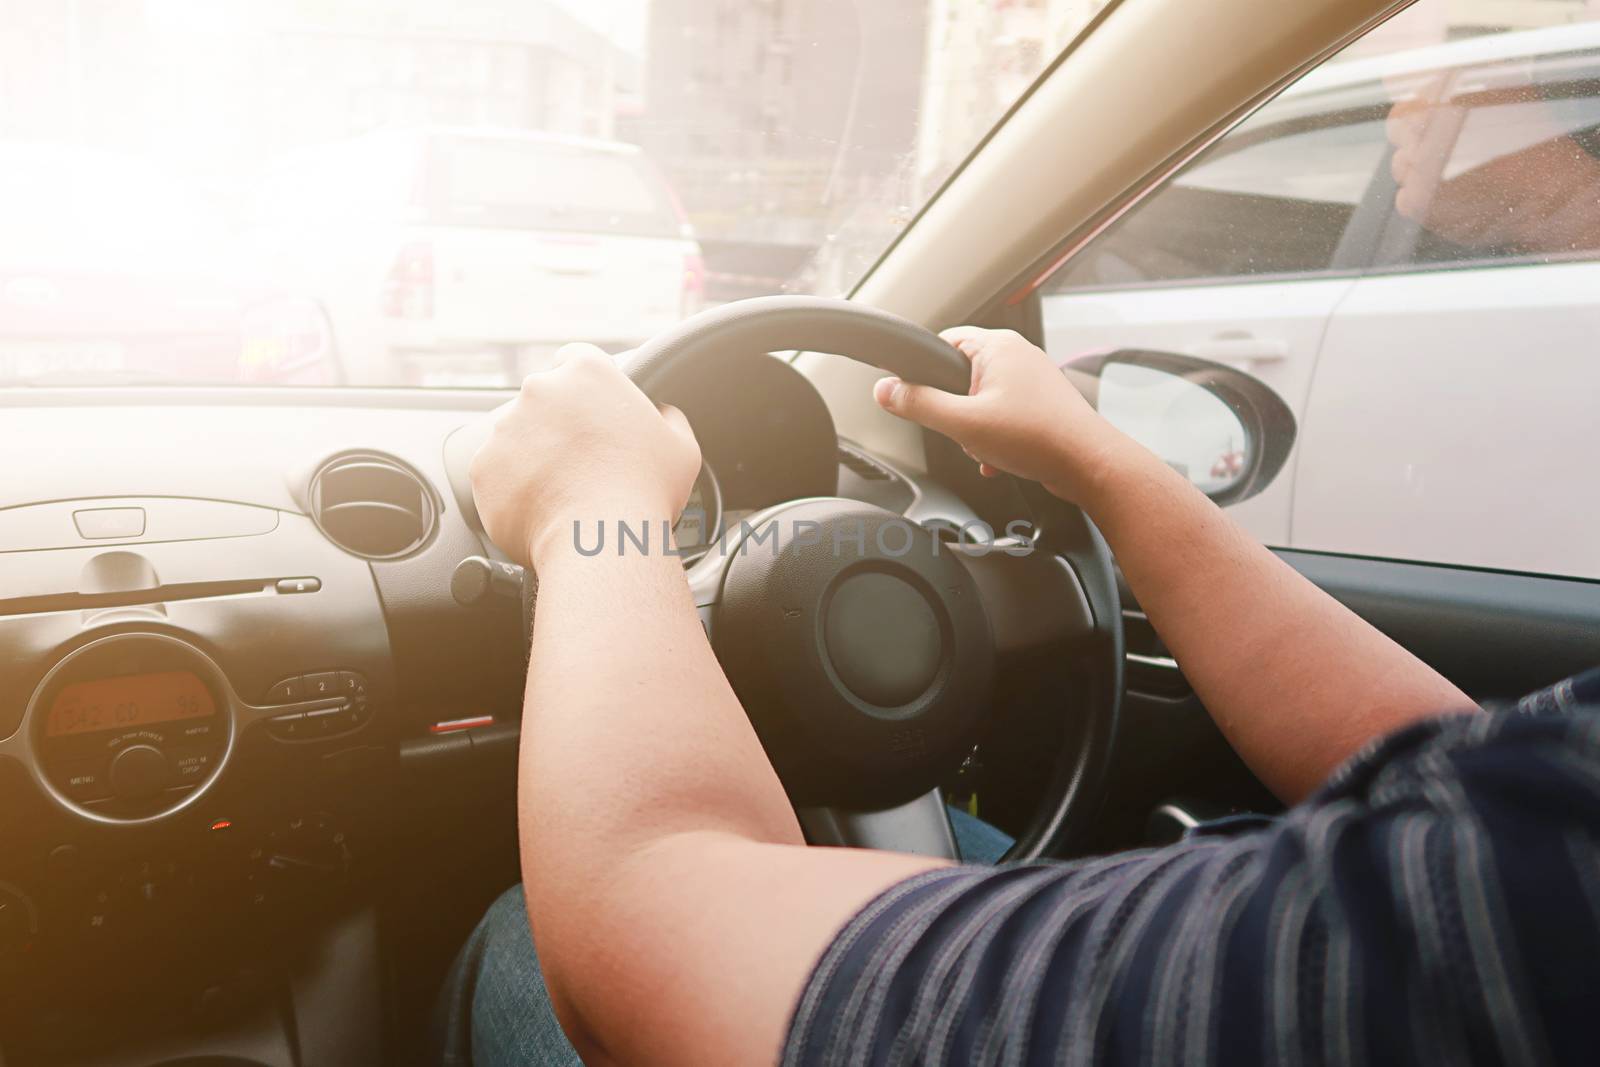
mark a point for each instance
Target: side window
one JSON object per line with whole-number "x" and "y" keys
{"x": 1452, "y": 409}
{"x": 1433, "y": 197}
{"x": 1279, "y": 196}
{"x": 1497, "y": 164}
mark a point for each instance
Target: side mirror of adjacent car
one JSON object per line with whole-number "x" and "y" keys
{"x": 1224, "y": 430}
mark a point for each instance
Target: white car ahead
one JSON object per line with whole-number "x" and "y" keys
{"x": 463, "y": 256}
{"x": 1280, "y": 250}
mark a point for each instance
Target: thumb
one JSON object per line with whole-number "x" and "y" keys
{"x": 678, "y": 423}
{"x": 674, "y": 418}
{"x": 933, "y": 408}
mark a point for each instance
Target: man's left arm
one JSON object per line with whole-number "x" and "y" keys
{"x": 676, "y": 910}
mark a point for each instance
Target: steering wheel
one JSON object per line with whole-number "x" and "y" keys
{"x": 863, "y": 646}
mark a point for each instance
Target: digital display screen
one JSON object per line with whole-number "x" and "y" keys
{"x": 127, "y": 702}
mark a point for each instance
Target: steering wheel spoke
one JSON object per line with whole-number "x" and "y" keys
{"x": 921, "y": 826}
{"x": 1033, "y": 597}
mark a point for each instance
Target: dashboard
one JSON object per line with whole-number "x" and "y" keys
{"x": 231, "y": 659}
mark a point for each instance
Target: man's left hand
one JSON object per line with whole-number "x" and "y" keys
{"x": 580, "y": 443}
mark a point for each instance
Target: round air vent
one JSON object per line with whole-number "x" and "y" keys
{"x": 372, "y": 505}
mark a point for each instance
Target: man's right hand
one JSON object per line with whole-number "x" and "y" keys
{"x": 1020, "y": 415}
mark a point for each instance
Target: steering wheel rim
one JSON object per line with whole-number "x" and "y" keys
{"x": 1062, "y": 532}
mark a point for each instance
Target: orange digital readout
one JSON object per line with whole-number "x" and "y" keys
{"x": 128, "y": 701}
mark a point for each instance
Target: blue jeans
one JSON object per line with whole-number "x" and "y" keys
{"x": 494, "y": 1011}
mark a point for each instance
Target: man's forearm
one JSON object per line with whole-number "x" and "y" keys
{"x": 621, "y": 674}
{"x": 1295, "y": 680}
{"x": 631, "y": 735}
{"x": 676, "y": 913}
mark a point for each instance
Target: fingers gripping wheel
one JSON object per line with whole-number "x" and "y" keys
{"x": 866, "y": 658}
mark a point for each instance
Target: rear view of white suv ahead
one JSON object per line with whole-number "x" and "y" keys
{"x": 462, "y": 257}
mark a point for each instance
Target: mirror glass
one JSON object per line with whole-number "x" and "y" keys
{"x": 1189, "y": 427}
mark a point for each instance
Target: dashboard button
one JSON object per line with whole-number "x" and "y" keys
{"x": 324, "y": 722}
{"x": 84, "y": 779}
{"x": 140, "y": 771}
{"x": 191, "y": 765}
{"x": 287, "y": 691}
{"x": 324, "y": 684}
{"x": 298, "y": 585}
{"x": 288, "y": 727}
{"x": 196, "y": 732}
{"x": 352, "y": 684}
{"x": 99, "y": 524}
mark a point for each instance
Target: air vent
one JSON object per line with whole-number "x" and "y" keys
{"x": 1149, "y": 668}
{"x": 862, "y": 466}
{"x": 372, "y": 505}
{"x": 865, "y": 479}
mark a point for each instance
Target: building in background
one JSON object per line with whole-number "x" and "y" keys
{"x": 524, "y": 65}
{"x": 748, "y": 104}
{"x": 982, "y": 55}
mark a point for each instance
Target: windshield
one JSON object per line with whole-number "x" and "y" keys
{"x": 441, "y": 194}
{"x": 522, "y": 184}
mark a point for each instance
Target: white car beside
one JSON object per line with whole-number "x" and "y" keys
{"x": 463, "y": 256}
{"x": 1280, "y": 250}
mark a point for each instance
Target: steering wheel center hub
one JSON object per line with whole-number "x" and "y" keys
{"x": 883, "y": 639}
{"x": 859, "y": 646}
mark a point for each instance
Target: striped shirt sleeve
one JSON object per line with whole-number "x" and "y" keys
{"x": 1438, "y": 901}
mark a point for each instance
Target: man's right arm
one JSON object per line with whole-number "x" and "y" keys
{"x": 1436, "y": 904}
{"x": 1296, "y": 681}
{"x": 1255, "y": 638}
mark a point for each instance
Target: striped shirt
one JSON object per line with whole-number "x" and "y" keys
{"x": 1437, "y": 901}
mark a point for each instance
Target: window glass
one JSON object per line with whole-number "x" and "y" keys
{"x": 1275, "y": 197}
{"x": 60, "y": 205}
{"x": 1498, "y": 162}
{"x": 460, "y": 188}
{"x": 1418, "y": 222}
{"x": 370, "y": 179}
{"x": 522, "y": 183}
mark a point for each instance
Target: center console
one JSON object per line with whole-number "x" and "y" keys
{"x": 243, "y": 723}
{"x": 196, "y": 750}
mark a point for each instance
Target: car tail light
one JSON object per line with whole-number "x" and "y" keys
{"x": 694, "y": 284}
{"x": 408, "y": 287}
